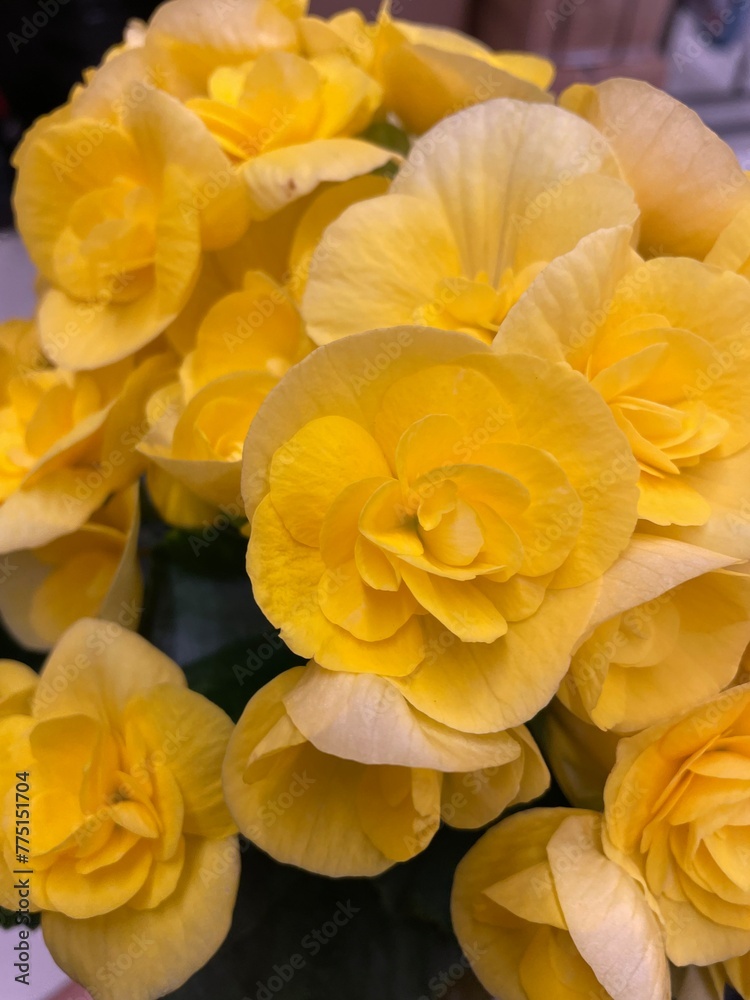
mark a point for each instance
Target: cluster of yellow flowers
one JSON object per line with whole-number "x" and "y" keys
{"x": 471, "y": 368}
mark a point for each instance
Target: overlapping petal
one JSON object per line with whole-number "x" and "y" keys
{"x": 131, "y": 839}
{"x": 485, "y": 225}
{"x": 338, "y": 774}
{"x": 435, "y": 504}
{"x": 539, "y": 908}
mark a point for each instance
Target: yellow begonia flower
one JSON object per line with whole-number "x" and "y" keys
{"x": 68, "y": 440}
{"x": 291, "y": 120}
{"x": 669, "y": 651}
{"x": 92, "y": 572}
{"x": 338, "y": 774}
{"x": 425, "y": 510}
{"x": 282, "y": 99}
{"x": 687, "y": 181}
{"x": 130, "y": 838}
{"x": 677, "y": 818}
{"x": 484, "y": 202}
{"x": 115, "y": 214}
{"x": 245, "y": 343}
{"x": 541, "y": 912}
{"x": 665, "y": 342}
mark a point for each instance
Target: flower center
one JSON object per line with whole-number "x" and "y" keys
{"x": 476, "y": 306}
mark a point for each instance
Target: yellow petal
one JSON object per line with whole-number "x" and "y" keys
{"x": 93, "y": 572}
{"x": 363, "y": 717}
{"x": 476, "y": 797}
{"x": 84, "y": 673}
{"x": 731, "y": 251}
{"x": 376, "y": 265}
{"x": 176, "y": 504}
{"x": 552, "y": 961}
{"x": 446, "y": 81}
{"x": 282, "y": 176}
{"x": 600, "y": 472}
{"x": 35, "y": 516}
{"x": 607, "y": 915}
{"x": 365, "y": 613}
{"x": 484, "y": 197}
{"x": 192, "y": 733}
{"x": 193, "y": 921}
{"x": 322, "y": 212}
{"x": 47, "y": 187}
{"x": 457, "y": 604}
{"x": 518, "y": 674}
{"x": 17, "y": 685}
{"x": 296, "y": 802}
{"x": 309, "y": 471}
{"x": 671, "y": 501}
{"x": 102, "y": 891}
{"x": 286, "y": 577}
{"x": 348, "y": 379}
{"x": 83, "y": 335}
{"x": 721, "y": 484}
{"x": 687, "y": 181}
{"x": 166, "y": 132}
{"x": 199, "y": 447}
{"x": 648, "y": 568}
{"x": 562, "y": 310}
{"x": 495, "y": 939}
{"x": 255, "y": 329}
{"x": 161, "y": 882}
{"x": 399, "y": 809}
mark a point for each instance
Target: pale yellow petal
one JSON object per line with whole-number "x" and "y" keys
{"x": 562, "y": 310}
{"x": 425, "y": 84}
{"x": 282, "y": 176}
{"x": 84, "y": 673}
{"x": 365, "y": 718}
{"x": 155, "y": 950}
{"x": 517, "y": 675}
{"x": 349, "y": 379}
{"x": 485, "y": 198}
{"x": 192, "y": 734}
{"x": 376, "y": 266}
{"x": 607, "y": 915}
{"x": 687, "y": 181}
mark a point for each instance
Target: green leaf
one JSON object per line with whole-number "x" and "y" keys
{"x": 388, "y": 136}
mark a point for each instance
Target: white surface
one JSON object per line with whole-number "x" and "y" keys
{"x": 46, "y": 981}
{"x": 16, "y": 278}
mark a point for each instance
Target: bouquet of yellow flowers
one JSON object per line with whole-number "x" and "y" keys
{"x": 466, "y": 370}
